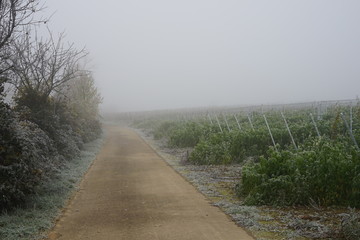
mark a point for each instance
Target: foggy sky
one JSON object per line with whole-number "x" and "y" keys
{"x": 172, "y": 54}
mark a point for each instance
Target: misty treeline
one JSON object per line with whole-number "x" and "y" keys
{"x": 54, "y": 102}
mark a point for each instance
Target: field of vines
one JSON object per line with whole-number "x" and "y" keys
{"x": 292, "y": 155}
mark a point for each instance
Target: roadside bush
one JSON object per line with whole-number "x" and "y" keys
{"x": 214, "y": 150}
{"x": 250, "y": 143}
{"x": 37, "y": 136}
{"x": 67, "y": 142}
{"x": 66, "y": 124}
{"x": 25, "y": 153}
{"x": 43, "y": 111}
{"x": 232, "y": 147}
{"x": 187, "y": 135}
{"x": 164, "y": 129}
{"x": 91, "y": 130}
{"x": 323, "y": 170}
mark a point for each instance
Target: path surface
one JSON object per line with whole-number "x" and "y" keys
{"x": 131, "y": 193}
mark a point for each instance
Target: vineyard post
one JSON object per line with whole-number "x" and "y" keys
{"x": 227, "y": 124}
{"x": 187, "y": 117}
{"x": 350, "y": 132}
{"x": 209, "y": 117}
{"x": 326, "y": 107}
{"x": 287, "y": 127}
{"x": 351, "y": 117}
{"x": 318, "y": 108}
{"x": 184, "y": 118}
{"x": 251, "y": 124}
{"x": 217, "y": 120}
{"x": 313, "y": 121}
{"x": 313, "y": 108}
{"x": 237, "y": 121}
{"x": 268, "y": 127}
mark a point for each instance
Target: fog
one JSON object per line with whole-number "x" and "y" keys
{"x": 163, "y": 54}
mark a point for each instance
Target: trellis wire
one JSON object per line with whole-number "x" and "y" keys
{"x": 268, "y": 127}
{"x": 315, "y": 125}
{"x": 209, "y": 117}
{"x": 217, "y": 120}
{"x": 287, "y": 127}
{"x": 350, "y": 131}
{"x": 227, "y": 124}
{"x": 251, "y": 124}
{"x": 351, "y": 117}
{"x": 319, "y": 111}
{"x": 237, "y": 121}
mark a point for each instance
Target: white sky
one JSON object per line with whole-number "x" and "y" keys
{"x": 188, "y": 53}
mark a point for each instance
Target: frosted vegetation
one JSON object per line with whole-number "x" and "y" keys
{"x": 315, "y": 168}
{"x": 317, "y": 162}
{"x": 38, "y": 214}
{"x": 52, "y": 113}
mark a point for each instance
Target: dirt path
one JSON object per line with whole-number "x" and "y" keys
{"x": 131, "y": 193}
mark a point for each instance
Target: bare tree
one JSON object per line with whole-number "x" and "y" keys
{"x": 15, "y": 13}
{"x": 44, "y": 66}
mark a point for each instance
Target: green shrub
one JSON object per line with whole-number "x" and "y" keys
{"x": 214, "y": 150}
{"x": 323, "y": 170}
{"x": 164, "y": 129}
{"x": 233, "y": 147}
{"x": 250, "y": 143}
{"x": 188, "y": 134}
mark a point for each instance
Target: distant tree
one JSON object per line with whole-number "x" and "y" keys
{"x": 83, "y": 96}
{"x": 82, "y": 102}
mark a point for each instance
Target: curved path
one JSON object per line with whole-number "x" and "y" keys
{"x": 131, "y": 193}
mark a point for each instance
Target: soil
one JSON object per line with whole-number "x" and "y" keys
{"x": 131, "y": 193}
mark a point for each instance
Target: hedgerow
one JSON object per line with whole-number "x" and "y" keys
{"x": 54, "y": 107}
{"x": 37, "y": 136}
{"x": 25, "y": 157}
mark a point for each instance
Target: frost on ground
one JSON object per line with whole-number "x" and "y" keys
{"x": 33, "y": 221}
{"x": 217, "y": 183}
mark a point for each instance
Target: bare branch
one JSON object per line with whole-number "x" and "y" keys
{"x": 44, "y": 66}
{"x": 15, "y": 13}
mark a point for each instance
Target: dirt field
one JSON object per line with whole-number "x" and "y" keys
{"x": 131, "y": 193}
